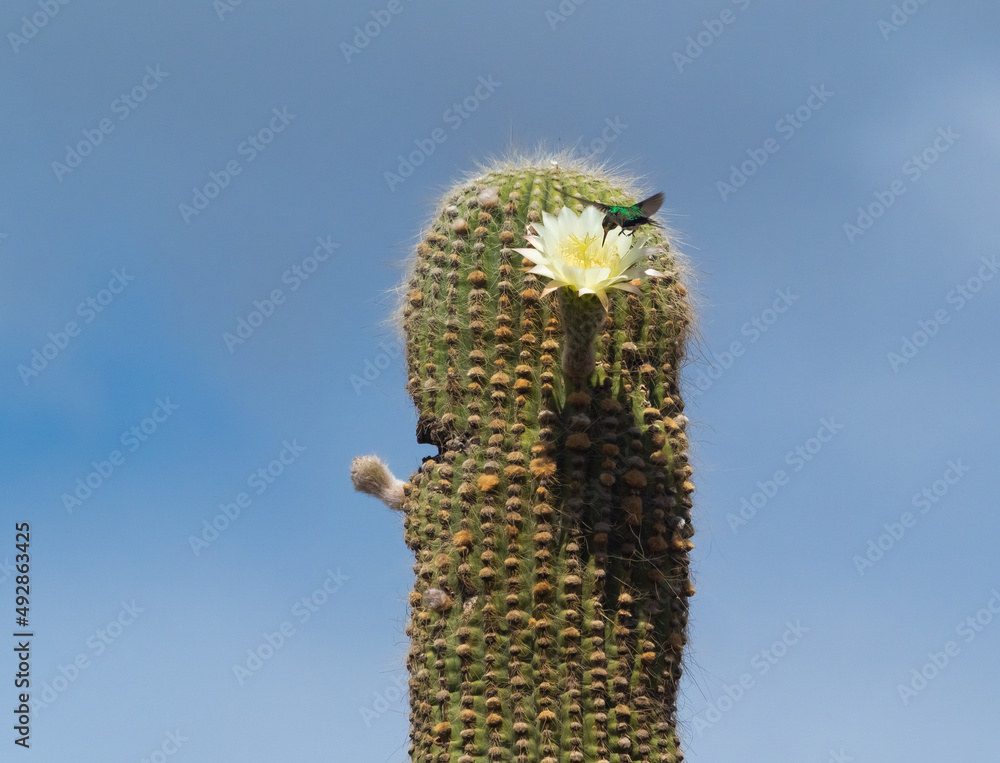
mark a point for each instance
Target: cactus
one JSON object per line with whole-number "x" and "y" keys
{"x": 551, "y": 530}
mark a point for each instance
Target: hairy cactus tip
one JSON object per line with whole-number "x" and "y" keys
{"x": 551, "y": 529}
{"x": 370, "y": 475}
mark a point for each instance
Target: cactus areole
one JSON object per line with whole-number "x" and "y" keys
{"x": 551, "y": 530}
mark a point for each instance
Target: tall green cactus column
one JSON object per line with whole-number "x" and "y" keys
{"x": 551, "y": 530}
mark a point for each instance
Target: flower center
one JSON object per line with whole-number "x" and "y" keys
{"x": 587, "y": 253}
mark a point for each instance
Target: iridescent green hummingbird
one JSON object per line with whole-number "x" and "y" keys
{"x": 626, "y": 218}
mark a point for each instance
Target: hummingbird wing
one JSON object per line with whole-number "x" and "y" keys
{"x": 650, "y": 205}
{"x": 599, "y": 205}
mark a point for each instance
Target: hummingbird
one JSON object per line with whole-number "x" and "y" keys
{"x": 627, "y": 218}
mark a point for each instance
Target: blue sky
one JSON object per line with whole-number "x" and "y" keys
{"x": 831, "y": 170}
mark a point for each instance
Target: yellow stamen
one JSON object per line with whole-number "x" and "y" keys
{"x": 577, "y": 252}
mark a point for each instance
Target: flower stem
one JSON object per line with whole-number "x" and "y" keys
{"x": 582, "y": 317}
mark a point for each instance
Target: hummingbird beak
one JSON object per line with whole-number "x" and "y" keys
{"x": 605, "y": 236}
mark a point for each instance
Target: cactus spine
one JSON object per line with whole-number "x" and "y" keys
{"x": 551, "y": 531}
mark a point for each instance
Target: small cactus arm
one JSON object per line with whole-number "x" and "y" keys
{"x": 552, "y": 528}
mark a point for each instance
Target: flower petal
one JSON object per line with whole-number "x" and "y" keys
{"x": 535, "y": 256}
{"x": 631, "y": 288}
{"x": 542, "y": 270}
